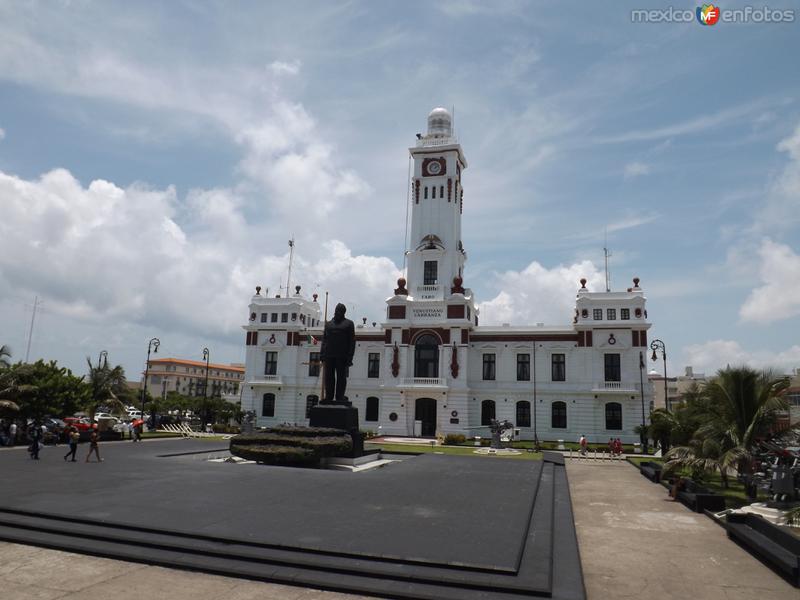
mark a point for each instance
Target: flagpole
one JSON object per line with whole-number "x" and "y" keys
{"x": 324, "y": 322}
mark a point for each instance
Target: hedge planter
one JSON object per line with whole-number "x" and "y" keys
{"x": 292, "y": 446}
{"x": 277, "y": 455}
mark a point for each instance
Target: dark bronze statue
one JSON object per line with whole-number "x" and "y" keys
{"x": 338, "y": 348}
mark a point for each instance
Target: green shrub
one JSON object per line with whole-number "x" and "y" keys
{"x": 322, "y": 445}
{"x": 368, "y": 434}
{"x": 218, "y": 428}
{"x": 277, "y": 455}
{"x": 304, "y": 431}
{"x": 454, "y": 439}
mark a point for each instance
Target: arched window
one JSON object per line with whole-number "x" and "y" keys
{"x": 371, "y": 413}
{"x": 268, "y": 405}
{"x": 613, "y": 415}
{"x": 487, "y": 412}
{"x": 426, "y": 356}
{"x": 311, "y": 402}
{"x": 558, "y": 415}
{"x": 523, "y": 413}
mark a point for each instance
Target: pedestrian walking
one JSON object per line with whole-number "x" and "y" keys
{"x": 12, "y": 434}
{"x": 74, "y": 438}
{"x": 137, "y": 430}
{"x": 583, "y": 443}
{"x": 93, "y": 447}
{"x": 36, "y": 441}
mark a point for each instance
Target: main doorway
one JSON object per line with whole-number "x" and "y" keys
{"x": 425, "y": 411}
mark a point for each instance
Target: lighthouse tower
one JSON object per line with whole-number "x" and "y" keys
{"x": 436, "y": 253}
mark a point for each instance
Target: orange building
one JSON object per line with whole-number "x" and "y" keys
{"x": 188, "y": 377}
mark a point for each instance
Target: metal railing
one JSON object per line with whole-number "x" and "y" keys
{"x": 423, "y": 381}
{"x": 439, "y": 141}
{"x": 267, "y": 378}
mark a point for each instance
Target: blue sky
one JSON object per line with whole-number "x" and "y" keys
{"x": 154, "y": 159}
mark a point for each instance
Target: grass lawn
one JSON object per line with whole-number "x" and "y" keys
{"x": 451, "y": 450}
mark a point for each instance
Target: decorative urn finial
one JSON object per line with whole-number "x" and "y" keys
{"x": 401, "y": 287}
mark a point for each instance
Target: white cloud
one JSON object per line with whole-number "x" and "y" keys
{"x": 717, "y": 354}
{"x": 688, "y": 127}
{"x": 635, "y": 169}
{"x": 779, "y": 210}
{"x": 286, "y": 155}
{"x": 280, "y": 67}
{"x": 2, "y": 133}
{"x": 539, "y": 295}
{"x": 631, "y": 222}
{"x": 280, "y": 140}
{"x": 779, "y": 296}
{"x": 108, "y": 255}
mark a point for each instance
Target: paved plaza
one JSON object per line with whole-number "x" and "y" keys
{"x": 429, "y": 526}
{"x": 634, "y": 542}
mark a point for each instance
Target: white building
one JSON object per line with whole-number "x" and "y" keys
{"x": 430, "y": 361}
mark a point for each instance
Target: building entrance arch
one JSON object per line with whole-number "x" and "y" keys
{"x": 425, "y": 411}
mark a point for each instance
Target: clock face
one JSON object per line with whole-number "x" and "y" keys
{"x": 432, "y": 167}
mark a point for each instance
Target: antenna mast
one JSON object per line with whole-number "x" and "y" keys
{"x": 409, "y": 183}
{"x": 291, "y": 257}
{"x": 607, "y": 255}
{"x": 36, "y": 304}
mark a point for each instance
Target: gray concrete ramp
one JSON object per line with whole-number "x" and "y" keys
{"x": 636, "y": 543}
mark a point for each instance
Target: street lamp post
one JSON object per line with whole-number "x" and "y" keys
{"x": 102, "y": 358}
{"x": 659, "y": 345}
{"x": 535, "y": 405}
{"x": 206, "y": 356}
{"x": 641, "y": 388}
{"x": 153, "y": 345}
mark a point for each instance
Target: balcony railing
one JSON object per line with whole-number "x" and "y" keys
{"x": 429, "y": 291}
{"x": 615, "y": 386}
{"x": 439, "y": 141}
{"x": 423, "y": 381}
{"x": 276, "y": 379}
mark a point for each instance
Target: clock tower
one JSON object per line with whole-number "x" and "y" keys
{"x": 436, "y": 254}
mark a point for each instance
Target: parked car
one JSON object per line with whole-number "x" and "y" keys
{"x": 79, "y": 423}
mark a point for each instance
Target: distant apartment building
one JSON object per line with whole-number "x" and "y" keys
{"x": 188, "y": 377}
{"x": 676, "y": 387}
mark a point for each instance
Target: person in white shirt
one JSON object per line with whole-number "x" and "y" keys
{"x": 12, "y": 434}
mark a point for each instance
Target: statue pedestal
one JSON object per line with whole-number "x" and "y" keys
{"x": 339, "y": 416}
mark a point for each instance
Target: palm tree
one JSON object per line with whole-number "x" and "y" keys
{"x": 104, "y": 383}
{"x": 739, "y": 407}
